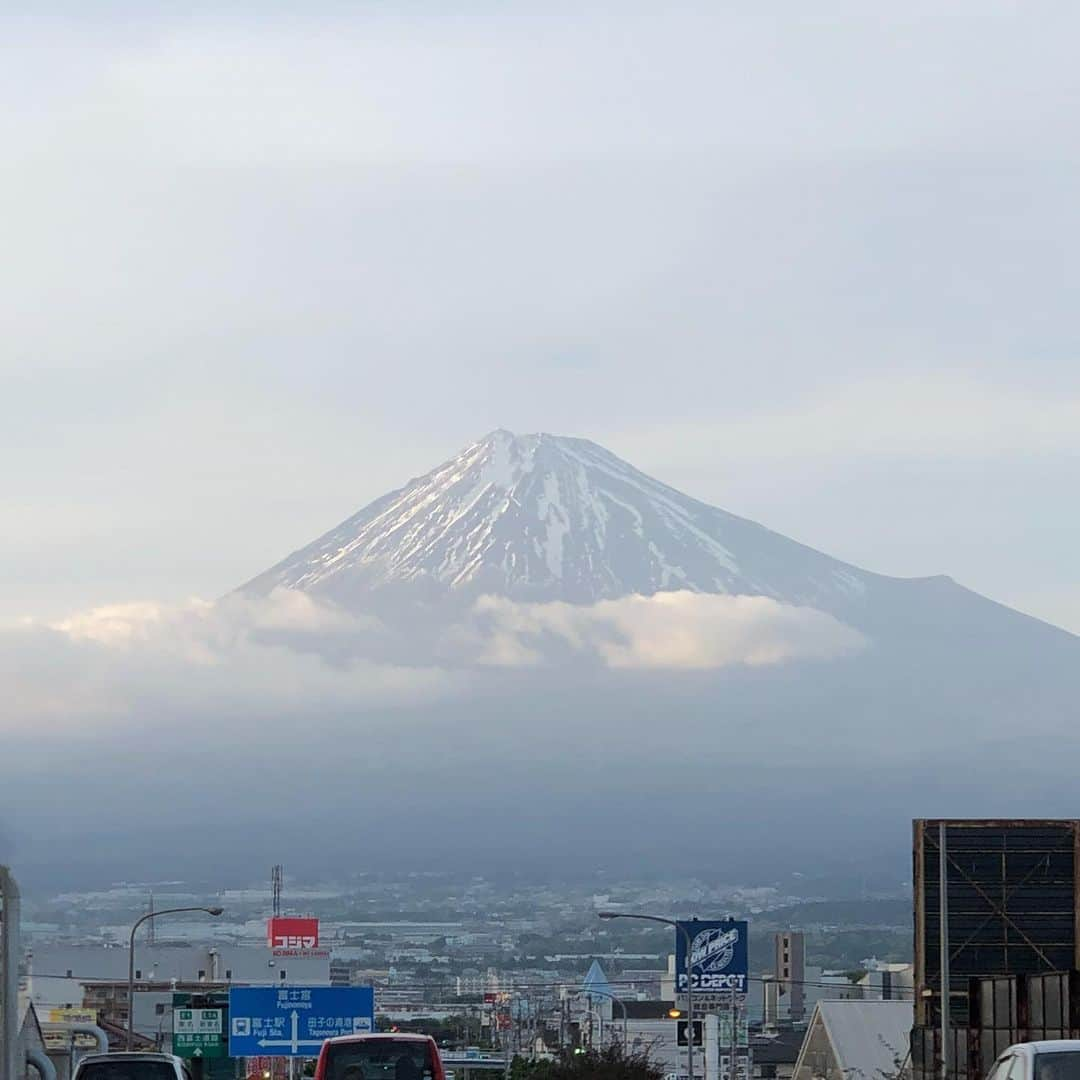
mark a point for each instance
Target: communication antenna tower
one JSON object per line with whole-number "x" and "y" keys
{"x": 276, "y": 875}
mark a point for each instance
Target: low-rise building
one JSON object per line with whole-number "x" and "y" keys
{"x": 643, "y": 984}
{"x": 774, "y": 1055}
{"x": 874, "y": 980}
{"x": 856, "y": 1040}
{"x": 56, "y": 974}
{"x": 153, "y": 1005}
{"x": 31, "y": 1041}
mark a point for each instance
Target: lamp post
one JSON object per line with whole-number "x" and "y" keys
{"x": 590, "y": 1013}
{"x": 215, "y": 911}
{"x": 610, "y": 997}
{"x": 607, "y": 916}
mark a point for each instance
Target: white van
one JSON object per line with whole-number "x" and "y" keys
{"x": 131, "y": 1066}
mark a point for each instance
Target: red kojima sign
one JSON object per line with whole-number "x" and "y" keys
{"x": 290, "y": 933}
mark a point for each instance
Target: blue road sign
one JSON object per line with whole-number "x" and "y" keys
{"x": 294, "y": 1021}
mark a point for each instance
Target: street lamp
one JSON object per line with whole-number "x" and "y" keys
{"x": 600, "y": 1023}
{"x": 611, "y": 997}
{"x": 607, "y": 916}
{"x": 215, "y": 911}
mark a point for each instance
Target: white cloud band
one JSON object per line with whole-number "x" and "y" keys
{"x": 673, "y": 630}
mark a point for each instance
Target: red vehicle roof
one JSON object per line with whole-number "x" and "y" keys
{"x": 381, "y": 1035}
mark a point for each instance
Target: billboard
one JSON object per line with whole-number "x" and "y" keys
{"x": 291, "y": 936}
{"x": 719, "y": 955}
{"x": 1012, "y": 891}
{"x": 63, "y": 1039}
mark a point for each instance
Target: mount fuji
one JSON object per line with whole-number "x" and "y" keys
{"x": 536, "y": 657}
{"x": 950, "y": 704}
{"x": 547, "y": 518}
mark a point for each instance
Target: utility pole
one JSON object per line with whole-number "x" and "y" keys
{"x": 711, "y": 1025}
{"x": 506, "y": 1053}
{"x": 689, "y": 996}
{"x": 277, "y": 877}
{"x": 734, "y": 1037}
{"x": 943, "y": 889}
{"x": 9, "y": 976}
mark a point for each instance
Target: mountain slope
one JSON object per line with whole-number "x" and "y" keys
{"x": 542, "y": 517}
{"x": 538, "y": 516}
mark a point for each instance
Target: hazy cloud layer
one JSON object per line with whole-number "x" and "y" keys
{"x": 245, "y": 659}
{"x": 543, "y": 731}
{"x": 671, "y": 630}
{"x": 263, "y": 656}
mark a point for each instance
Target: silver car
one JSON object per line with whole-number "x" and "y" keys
{"x": 131, "y": 1066}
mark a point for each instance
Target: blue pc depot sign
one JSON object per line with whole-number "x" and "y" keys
{"x": 719, "y": 956}
{"x": 294, "y": 1021}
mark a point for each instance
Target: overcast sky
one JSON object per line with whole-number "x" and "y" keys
{"x": 260, "y": 269}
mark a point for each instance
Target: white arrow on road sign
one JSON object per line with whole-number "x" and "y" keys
{"x": 295, "y": 1042}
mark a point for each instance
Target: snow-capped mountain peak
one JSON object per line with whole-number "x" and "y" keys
{"x": 548, "y": 517}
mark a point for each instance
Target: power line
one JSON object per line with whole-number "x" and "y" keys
{"x": 561, "y": 984}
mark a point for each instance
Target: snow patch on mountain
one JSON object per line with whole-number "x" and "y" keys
{"x": 544, "y": 518}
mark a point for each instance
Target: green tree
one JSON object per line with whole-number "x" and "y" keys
{"x": 609, "y": 1063}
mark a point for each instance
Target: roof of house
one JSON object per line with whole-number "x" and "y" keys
{"x": 29, "y": 1023}
{"x": 779, "y": 1049}
{"x": 597, "y": 981}
{"x": 118, "y": 1036}
{"x": 644, "y": 1010}
{"x": 27, "y": 1010}
{"x": 871, "y": 1039}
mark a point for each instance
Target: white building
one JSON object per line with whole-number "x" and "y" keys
{"x": 57, "y": 974}
{"x": 874, "y": 981}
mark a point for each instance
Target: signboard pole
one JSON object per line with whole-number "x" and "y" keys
{"x": 712, "y": 1047}
{"x": 734, "y": 1034}
{"x": 943, "y": 886}
{"x": 689, "y": 998}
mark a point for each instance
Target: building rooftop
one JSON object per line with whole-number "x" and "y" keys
{"x": 779, "y": 1049}
{"x": 869, "y": 1038}
{"x": 597, "y": 982}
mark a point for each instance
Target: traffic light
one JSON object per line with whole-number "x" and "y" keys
{"x": 698, "y": 1032}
